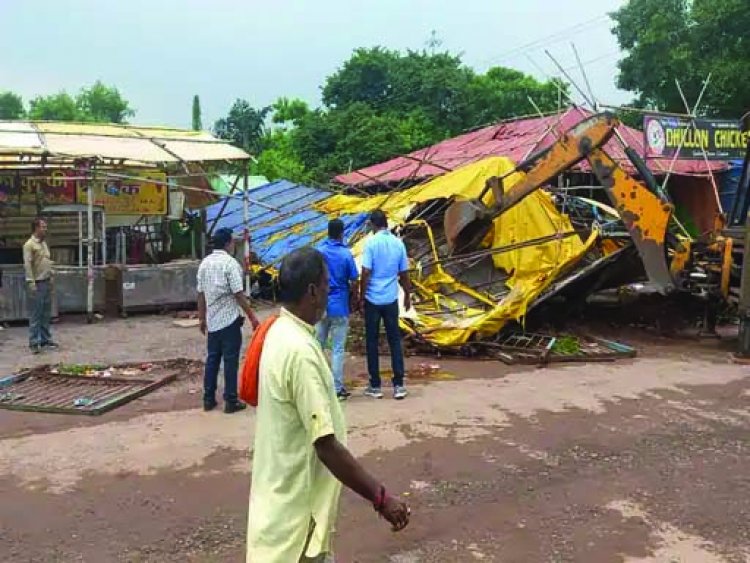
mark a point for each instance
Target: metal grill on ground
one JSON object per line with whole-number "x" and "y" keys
{"x": 68, "y": 394}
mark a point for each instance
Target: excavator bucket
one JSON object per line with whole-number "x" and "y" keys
{"x": 467, "y": 222}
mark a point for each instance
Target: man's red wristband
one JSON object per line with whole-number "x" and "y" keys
{"x": 380, "y": 500}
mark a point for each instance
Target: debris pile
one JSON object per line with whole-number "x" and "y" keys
{"x": 533, "y": 253}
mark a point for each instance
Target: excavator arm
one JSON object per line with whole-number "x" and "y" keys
{"x": 645, "y": 215}
{"x": 467, "y": 222}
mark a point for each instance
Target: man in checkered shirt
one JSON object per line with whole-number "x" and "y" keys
{"x": 221, "y": 301}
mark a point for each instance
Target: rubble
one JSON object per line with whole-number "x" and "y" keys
{"x": 533, "y": 253}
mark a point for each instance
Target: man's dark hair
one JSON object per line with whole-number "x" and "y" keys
{"x": 336, "y": 229}
{"x": 221, "y": 238}
{"x": 378, "y": 219}
{"x": 36, "y": 222}
{"x": 299, "y": 270}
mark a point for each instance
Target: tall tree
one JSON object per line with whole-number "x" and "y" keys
{"x": 449, "y": 93}
{"x": 98, "y": 103}
{"x": 103, "y": 104}
{"x": 720, "y": 41}
{"x": 289, "y": 111}
{"x": 382, "y": 103}
{"x": 244, "y": 126}
{"x": 55, "y": 107}
{"x": 664, "y": 40}
{"x": 197, "y": 121}
{"x": 11, "y": 105}
{"x": 278, "y": 160}
{"x": 502, "y": 93}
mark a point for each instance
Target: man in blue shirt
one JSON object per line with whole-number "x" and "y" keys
{"x": 342, "y": 276}
{"x": 384, "y": 266}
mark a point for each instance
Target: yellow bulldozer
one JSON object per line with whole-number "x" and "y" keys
{"x": 673, "y": 262}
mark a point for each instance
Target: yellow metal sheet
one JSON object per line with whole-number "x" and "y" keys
{"x": 466, "y": 182}
{"x": 532, "y": 268}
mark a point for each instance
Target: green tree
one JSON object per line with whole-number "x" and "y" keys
{"x": 504, "y": 92}
{"x": 278, "y": 160}
{"x": 55, "y": 107}
{"x": 329, "y": 142}
{"x": 382, "y": 103}
{"x": 197, "y": 121}
{"x": 244, "y": 126}
{"x": 664, "y": 40}
{"x": 11, "y": 105}
{"x": 720, "y": 42}
{"x": 390, "y": 81}
{"x": 286, "y": 110}
{"x": 98, "y": 103}
{"x": 367, "y": 77}
{"x": 103, "y": 104}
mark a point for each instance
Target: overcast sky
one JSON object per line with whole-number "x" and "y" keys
{"x": 160, "y": 53}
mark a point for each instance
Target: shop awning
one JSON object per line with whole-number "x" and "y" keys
{"x": 31, "y": 143}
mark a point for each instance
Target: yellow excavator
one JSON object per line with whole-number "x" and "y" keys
{"x": 672, "y": 263}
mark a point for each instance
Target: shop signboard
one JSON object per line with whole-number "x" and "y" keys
{"x": 26, "y": 192}
{"x": 129, "y": 193}
{"x": 718, "y": 139}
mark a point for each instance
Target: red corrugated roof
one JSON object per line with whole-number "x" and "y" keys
{"x": 515, "y": 140}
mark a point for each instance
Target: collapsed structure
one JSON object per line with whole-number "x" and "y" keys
{"x": 533, "y": 244}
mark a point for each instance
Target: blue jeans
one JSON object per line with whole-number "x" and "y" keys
{"x": 40, "y": 314}
{"x": 338, "y": 329}
{"x": 389, "y": 315}
{"x": 223, "y": 344}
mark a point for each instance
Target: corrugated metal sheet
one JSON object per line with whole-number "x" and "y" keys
{"x": 112, "y": 141}
{"x": 514, "y": 140}
{"x": 293, "y": 224}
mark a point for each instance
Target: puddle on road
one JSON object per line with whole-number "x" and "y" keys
{"x": 427, "y": 371}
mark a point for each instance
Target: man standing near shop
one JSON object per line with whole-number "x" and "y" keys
{"x": 38, "y": 268}
{"x": 300, "y": 458}
{"x": 384, "y": 267}
{"x": 342, "y": 283}
{"x": 221, "y": 302}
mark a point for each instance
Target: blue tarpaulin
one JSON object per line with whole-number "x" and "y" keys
{"x": 729, "y": 184}
{"x": 295, "y": 222}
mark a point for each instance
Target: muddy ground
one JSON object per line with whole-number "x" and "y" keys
{"x": 639, "y": 460}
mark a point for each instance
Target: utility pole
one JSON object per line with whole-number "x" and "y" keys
{"x": 744, "y": 345}
{"x": 743, "y": 351}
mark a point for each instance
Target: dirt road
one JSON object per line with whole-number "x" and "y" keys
{"x": 642, "y": 460}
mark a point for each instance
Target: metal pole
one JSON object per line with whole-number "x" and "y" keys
{"x": 744, "y": 302}
{"x": 585, "y": 77}
{"x": 573, "y": 82}
{"x": 124, "y": 246}
{"x": 192, "y": 244}
{"x": 117, "y": 247}
{"x": 90, "y": 245}
{"x": 103, "y": 215}
{"x": 80, "y": 239}
{"x": 246, "y": 234}
{"x": 695, "y": 128}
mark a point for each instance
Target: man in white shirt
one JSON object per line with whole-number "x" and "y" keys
{"x": 221, "y": 302}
